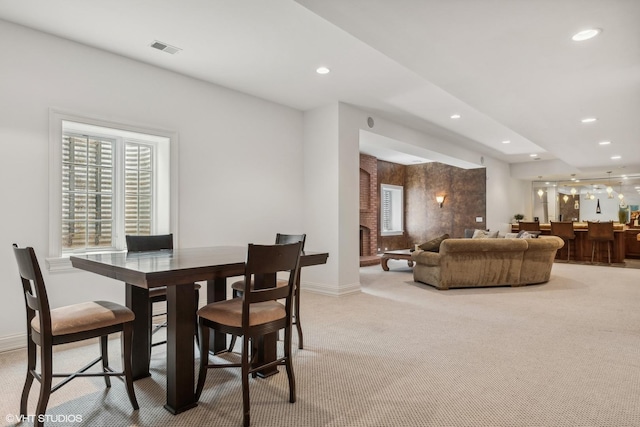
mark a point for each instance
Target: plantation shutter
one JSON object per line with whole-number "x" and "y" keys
{"x": 138, "y": 188}
{"x": 87, "y": 192}
{"x": 386, "y": 210}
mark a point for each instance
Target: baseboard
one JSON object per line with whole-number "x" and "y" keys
{"x": 13, "y": 342}
{"x": 324, "y": 289}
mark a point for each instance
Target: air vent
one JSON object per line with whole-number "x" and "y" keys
{"x": 165, "y": 47}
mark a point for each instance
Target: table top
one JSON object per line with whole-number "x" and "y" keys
{"x": 398, "y": 252}
{"x": 171, "y": 267}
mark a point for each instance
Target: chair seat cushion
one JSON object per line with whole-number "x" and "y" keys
{"x": 239, "y": 285}
{"x": 229, "y": 312}
{"x": 85, "y": 316}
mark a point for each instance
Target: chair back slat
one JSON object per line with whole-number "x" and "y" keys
{"x": 529, "y": 226}
{"x": 263, "y": 259}
{"x": 263, "y": 264}
{"x": 563, "y": 229}
{"x": 282, "y": 239}
{"x": 149, "y": 243}
{"x": 269, "y": 294}
{"x": 600, "y": 230}
{"x": 35, "y": 293}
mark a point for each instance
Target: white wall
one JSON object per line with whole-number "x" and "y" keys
{"x": 248, "y": 168}
{"x": 505, "y": 196}
{"x": 240, "y": 160}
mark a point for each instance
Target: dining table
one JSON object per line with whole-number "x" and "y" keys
{"x": 178, "y": 269}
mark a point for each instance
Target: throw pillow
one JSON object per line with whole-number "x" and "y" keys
{"x": 528, "y": 234}
{"x": 468, "y": 233}
{"x": 433, "y": 245}
{"x": 484, "y": 234}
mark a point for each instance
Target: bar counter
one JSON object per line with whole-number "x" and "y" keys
{"x": 581, "y": 252}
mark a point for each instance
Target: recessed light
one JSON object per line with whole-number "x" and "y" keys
{"x": 586, "y": 34}
{"x": 604, "y": 142}
{"x": 506, "y": 142}
{"x": 455, "y": 116}
{"x": 323, "y": 70}
{"x": 588, "y": 120}
{"x": 533, "y": 155}
{"x": 616, "y": 157}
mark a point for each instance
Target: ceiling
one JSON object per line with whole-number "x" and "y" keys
{"x": 509, "y": 68}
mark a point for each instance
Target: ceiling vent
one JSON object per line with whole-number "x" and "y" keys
{"x": 165, "y": 47}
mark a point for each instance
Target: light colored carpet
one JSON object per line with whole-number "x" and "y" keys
{"x": 565, "y": 353}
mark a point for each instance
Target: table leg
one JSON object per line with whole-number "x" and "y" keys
{"x": 181, "y": 309}
{"x": 137, "y": 299}
{"x": 217, "y": 291}
{"x": 267, "y": 352}
{"x": 383, "y": 263}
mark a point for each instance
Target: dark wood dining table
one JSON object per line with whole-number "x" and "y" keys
{"x": 178, "y": 269}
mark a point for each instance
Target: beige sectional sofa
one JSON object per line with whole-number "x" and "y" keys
{"x": 467, "y": 263}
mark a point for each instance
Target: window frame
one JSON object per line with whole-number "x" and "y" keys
{"x": 58, "y": 259}
{"x": 397, "y": 206}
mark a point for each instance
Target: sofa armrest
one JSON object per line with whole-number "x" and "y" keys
{"x": 426, "y": 258}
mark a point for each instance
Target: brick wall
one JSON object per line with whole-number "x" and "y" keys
{"x": 369, "y": 204}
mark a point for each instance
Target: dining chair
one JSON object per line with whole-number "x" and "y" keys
{"x": 48, "y": 327}
{"x": 529, "y": 226}
{"x": 239, "y": 286}
{"x": 136, "y": 243}
{"x": 254, "y": 315}
{"x": 600, "y": 232}
{"x": 564, "y": 230}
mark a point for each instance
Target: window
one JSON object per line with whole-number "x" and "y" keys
{"x": 106, "y": 180}
{"x": 391, "y": 210}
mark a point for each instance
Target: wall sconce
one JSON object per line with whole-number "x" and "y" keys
{"x": 440, "y": 200}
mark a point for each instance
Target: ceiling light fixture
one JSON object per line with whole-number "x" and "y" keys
{"x": 588, "y": 120}
{"x": 506, "y": 142}
{"x": 533, "y": 155}
{"x": 616, "y": 157}
{"x": 455, "y": 116}
{"x": 604, "y": 142}
{"x": 609, "y": 188}
{"x": 323, "y": 70}
{"x": 586, "y": 34}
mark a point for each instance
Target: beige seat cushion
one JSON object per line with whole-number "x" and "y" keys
{"x": 239, "y": 285}
{"x": 85, "y": 316}
{"x": 229, "y": 312}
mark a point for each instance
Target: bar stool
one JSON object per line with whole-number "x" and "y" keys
{"x": 564, "y": 230}
{"x": 600, "y": 232}
{"x": 529, "y": 226}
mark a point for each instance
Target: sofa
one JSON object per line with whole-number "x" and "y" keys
{"x": 469, "y": 263}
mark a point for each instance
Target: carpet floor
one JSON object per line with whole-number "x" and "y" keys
{"x": 401, "y": 353}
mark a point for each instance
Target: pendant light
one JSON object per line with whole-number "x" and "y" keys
{"x": 620, "y": 195}
{"x": 609, "y": 188}
{"x": 598, "y": 207}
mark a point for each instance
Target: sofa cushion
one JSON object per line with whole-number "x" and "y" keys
{"x": 484, "y": 234}
{"x": 433, "y": 245}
